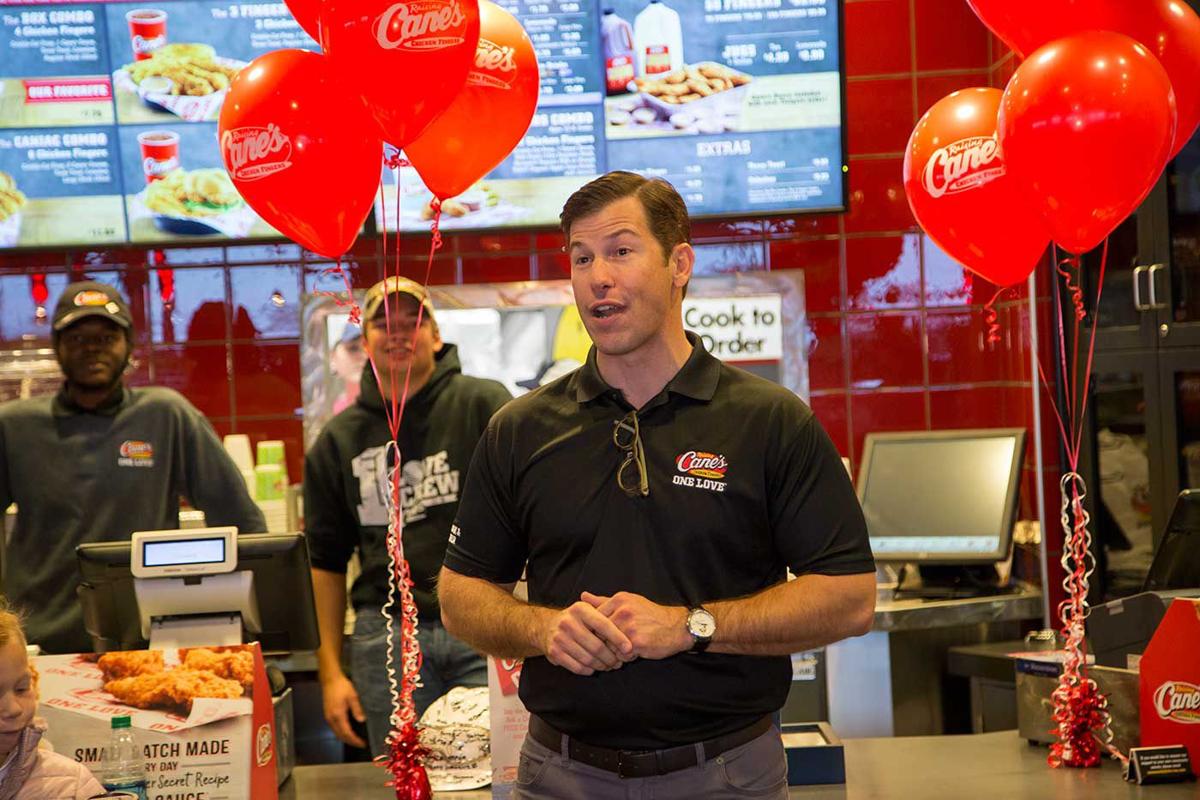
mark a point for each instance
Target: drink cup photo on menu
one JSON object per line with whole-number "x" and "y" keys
{"x": 176, "y": 62}
{"x": 178, "y": 190}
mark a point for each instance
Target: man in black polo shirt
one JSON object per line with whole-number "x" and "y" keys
{"x": 656, "y": 498}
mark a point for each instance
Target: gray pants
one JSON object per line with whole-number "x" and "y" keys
{"x": 756, "y": 769}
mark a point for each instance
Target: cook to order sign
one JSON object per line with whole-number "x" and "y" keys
{"x": 738, "y": 328}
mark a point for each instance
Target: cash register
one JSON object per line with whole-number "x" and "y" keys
{"x": 202, "y": 586}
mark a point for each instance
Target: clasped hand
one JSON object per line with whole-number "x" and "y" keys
{"x": 600, "y": 633}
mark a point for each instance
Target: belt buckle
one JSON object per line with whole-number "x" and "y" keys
{"x": 624, "y": 760}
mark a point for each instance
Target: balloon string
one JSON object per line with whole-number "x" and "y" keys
{"x": 990, "y": 318}
{"x": 1065, "y": 267}
{"x": 1084, "y": 723}
{"x": 342, "y": 299}
{"x": 1091, "y": 355}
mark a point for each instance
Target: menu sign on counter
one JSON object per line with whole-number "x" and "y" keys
{"x": 738, "y": 103}
{"x": 108, "y": 118}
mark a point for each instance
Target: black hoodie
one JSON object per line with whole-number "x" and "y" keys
{"x": 345, "y": 480}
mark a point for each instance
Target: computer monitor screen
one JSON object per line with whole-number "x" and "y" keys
{"x": 1176, "y": 563}
{"x": 941, "y": 496}
{"x": 282, "y": 588}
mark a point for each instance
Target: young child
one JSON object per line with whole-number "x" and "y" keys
{"x": 26, "y": 771}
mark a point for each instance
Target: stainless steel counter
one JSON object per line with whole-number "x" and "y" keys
{"x": 990, "y": 766}
{"x": 891, "y": 681}
{"x": 915, "y": 614}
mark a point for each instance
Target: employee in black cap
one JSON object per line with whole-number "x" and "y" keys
{"x": 98, "y": 461}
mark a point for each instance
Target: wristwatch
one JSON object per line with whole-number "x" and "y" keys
{"x": 701, "y": 625}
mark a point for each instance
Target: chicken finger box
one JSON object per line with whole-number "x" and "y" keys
{"x": 509, "y": 722}
{"x": 1170, "y": 681}
{"x": 202, "y": 717}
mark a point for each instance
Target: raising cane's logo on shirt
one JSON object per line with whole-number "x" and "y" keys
{"x": 255, "y": 152}
{"x": 421, "y": 25}
{"x": 963, "y": 165}
{"x": 1178, "y": 701}
{"x": 134, "y": 453}
{"x": 701, "y": 464}
{"x": 701, "y": 470}
{"x": 495, "y": 66}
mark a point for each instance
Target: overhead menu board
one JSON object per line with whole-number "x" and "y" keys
{"x": 738, "y": 103}
{"x": 108, "y": 114}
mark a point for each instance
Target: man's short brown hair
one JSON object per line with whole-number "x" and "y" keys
{"x": 666, "y": 213}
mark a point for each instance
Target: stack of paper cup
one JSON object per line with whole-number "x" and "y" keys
{"x": 238, "y": 447}
{"x": 271, "y": 451}
{"x": 271, "y": 482}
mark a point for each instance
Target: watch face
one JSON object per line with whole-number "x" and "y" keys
{"x": 701, "y": 624}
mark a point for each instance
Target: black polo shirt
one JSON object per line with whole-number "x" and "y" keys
{"x": 542, "y": 489}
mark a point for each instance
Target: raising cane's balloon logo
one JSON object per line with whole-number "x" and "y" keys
{"x": 1178, "y": 701}
{"x": 495, "y": 66}
{"x": 255, "y": 152}
{"x": 963, "y": 165}
{"x": 421, "y": 25}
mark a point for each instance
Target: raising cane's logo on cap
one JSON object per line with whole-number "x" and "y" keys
{"x": 90, "y": 297}
{"x": 1178, "y": 701}
{"x": 963, "y": 165}
{"x": 495, "y": 66}
{"x": 421, "y": 25}
{"x": 702, "y": 465}
{"x": 255, "y": 152}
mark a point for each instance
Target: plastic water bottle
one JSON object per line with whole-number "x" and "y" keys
{"x": 124, "y": 766}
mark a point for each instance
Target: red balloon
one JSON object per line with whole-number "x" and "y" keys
{"x": 406, "y": 59}
{"x": 308, "y": 14}
{"x": 295, "y": 147}
{"x": 1086, "y": 125}
{"x": 489, "y": 116}
{"x": 1026, "y": 25}
{"x": 1170, "y": 29}
{"x": 960, "y": 191}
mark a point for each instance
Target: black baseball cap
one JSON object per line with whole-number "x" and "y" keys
{"x": 90, "y": 299}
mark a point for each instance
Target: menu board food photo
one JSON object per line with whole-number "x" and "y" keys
{"x": 108, "y": 115}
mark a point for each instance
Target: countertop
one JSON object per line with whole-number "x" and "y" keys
{"x": 989, "y": 766}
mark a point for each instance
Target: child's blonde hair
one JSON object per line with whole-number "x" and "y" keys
{"x": 10, "y": 626}
{"x": 11, "y": 631}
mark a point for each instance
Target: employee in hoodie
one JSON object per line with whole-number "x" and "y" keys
{"x": 345, "y": 492}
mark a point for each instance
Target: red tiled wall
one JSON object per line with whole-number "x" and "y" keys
{"x": 897, "y": 335}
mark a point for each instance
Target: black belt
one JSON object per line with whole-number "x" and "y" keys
{"x": 642, "y": 763}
